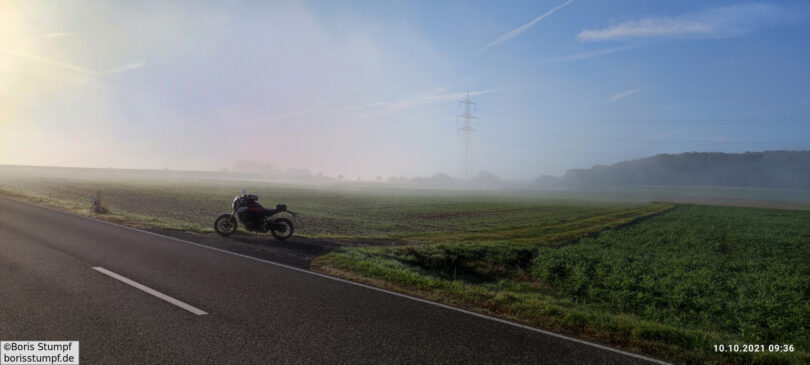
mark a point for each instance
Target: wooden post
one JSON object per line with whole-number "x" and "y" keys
{"x": 97, "y": 205}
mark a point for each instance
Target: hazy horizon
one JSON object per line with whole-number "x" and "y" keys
{"x": 303, "y": 174}
{"x": 372, "y": 89}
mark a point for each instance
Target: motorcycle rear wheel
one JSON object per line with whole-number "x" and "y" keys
{"x": 282, "y": 229}
{"x": 225, "y": 225}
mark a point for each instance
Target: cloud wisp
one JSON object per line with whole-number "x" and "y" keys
{"x": 127, "y": 67}
{"x": 597, "y": 53}
{"x": 63, "y": 65}
{"x": 431, "y": 97}
{"x": 364, "y": 106}
{"x": 385, "y": 107}
{"x": 621, "y": 95}
{"x": 517, "y": 31}
{"x": 67, "y": 66}
{"x": 57, "y": 35}
{"x": 721, "y": 22}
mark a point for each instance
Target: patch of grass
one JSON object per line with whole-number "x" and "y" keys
{"x": 664, "y": 281}
{"x": 121, "y": 217}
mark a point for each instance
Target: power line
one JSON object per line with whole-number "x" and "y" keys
{"x": 668, "y": 141}
{"x": 553, "y": 149}
{"x": 765, "y": 121}
{"x": 466, "y": 130}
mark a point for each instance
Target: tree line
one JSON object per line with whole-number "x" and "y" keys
{"x": 769, "y": 169}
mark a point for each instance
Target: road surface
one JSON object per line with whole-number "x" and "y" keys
{"x": 133, "y": 297}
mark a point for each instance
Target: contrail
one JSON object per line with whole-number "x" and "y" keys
{"x": 129, "y": 66}
{"x": 53, "y": 63}
{"x": 601, "y": 52}
{"x": 67, "y": 66}
{"x": 623, "y": 94}
{"x": 515, "y": 32}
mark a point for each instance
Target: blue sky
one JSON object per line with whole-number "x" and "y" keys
{"x": 372, "y": 88}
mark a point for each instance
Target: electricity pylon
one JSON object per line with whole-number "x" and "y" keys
{"x": 466, "y": 129}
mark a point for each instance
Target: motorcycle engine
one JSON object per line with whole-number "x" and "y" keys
{"x": 253, "y": 222}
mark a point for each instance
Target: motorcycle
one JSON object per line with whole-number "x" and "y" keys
{"x": 255, "y": 218}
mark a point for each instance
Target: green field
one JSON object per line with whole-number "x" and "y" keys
{"x": 674, "y": 284}
{"x": 740, "y": 272}
{"x": 665, "y": 279}
{"x": 343, "y": 211}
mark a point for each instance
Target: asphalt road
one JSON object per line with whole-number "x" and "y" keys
{"x": 256, "y": 312}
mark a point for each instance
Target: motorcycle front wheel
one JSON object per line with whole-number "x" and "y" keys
{"x": 282, "y": 229}
{"x": 225, "y": 224}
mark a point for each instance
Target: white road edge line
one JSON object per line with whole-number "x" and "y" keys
{"x": 510, "y": 323}
{"x": 149, "y": 290}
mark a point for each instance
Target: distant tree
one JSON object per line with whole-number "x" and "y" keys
{"x": 248, "y": 167}
{"x": 548, "y": 181}
{"x": 340, "y": 176}
{"x": 442, "y": 178}
{"x": 297, "y": 172}
{"x": 378, "y": 178}
{"x": 486, "y": 179}
{"x": 253, "y": 167}
{"x": 770, "y": 169}
{"x": 436, "y": 179}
